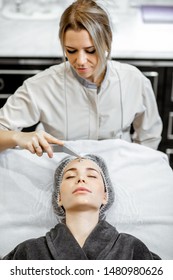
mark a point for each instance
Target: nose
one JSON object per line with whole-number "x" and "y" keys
{"x": 81, "y": 179}
{"x": 81, "y": 58}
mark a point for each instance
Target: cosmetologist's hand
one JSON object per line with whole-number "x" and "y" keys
{"x": 37, "y": 142}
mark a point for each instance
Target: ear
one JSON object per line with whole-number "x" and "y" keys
{"x": 105, "y": 198}
{"x": 59, "y": 200}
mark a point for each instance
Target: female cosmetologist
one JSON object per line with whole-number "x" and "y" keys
{"x": 87, "y": 97}
{"x": 82, "y": 194}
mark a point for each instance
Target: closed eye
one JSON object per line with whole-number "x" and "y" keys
{"x": 71, "y": 51}
{"x": 87, "y": 51}
{"x": 91, "y": 52}
{"x": 69, "y": 177}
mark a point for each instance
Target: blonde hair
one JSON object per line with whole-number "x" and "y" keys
{"x": 88, "y": 15}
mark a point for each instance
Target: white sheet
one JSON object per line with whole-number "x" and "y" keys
{"x": 143, "y": 184}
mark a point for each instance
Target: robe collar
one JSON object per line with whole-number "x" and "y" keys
{"x": 63, "y": 245}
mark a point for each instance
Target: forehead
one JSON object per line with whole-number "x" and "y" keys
{"x": 82, "y": 164}
{"x": 81, "y": 37}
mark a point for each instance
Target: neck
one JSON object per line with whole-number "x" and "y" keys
{"x": 99, "y": 80}
{"x": 81, "y": 224}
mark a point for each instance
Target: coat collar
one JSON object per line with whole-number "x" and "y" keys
{"x": 87, "y": 83}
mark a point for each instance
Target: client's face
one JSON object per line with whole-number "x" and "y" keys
{"x": 82, "y": 186}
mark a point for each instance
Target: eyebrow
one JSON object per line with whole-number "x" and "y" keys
{"x": 88, "y": 169}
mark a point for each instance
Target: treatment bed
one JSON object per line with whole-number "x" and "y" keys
{"x": 143, "y": 184}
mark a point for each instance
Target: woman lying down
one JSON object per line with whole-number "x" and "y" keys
{"x": 83, "y": 192}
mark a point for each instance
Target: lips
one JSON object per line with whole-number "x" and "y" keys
{"x": 82, "y": 69}
{"x": 81, "y": 189}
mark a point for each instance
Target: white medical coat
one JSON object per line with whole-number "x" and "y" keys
{"x": 72, "y": 108}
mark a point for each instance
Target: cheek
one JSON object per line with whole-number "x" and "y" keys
{"x": 70, "y": 58}
{"x": 64, "y": 189}
{"x": 100, "y": 189}
{"x": 64, "y": 198}
{"x": 95, "y": 59}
